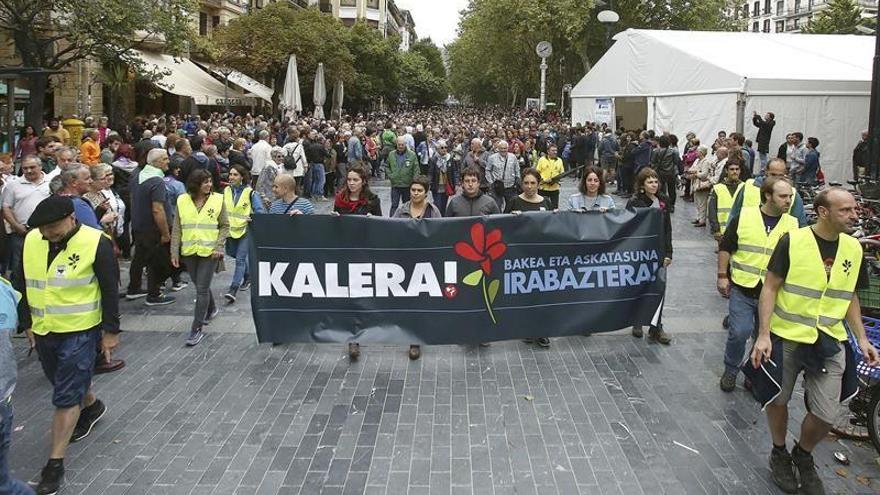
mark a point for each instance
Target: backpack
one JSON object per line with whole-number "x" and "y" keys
{"x": 290, "y": 159}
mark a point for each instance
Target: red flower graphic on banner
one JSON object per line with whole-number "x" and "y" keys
{"x": 483, "y": 249}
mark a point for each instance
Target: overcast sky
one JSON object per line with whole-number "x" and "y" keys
{"x": 437, "y": 19}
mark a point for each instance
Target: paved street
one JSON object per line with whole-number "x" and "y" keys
{"x": 598, "y": 414}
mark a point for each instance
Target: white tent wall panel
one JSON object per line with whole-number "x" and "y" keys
{"x": 836, "y": 121}
{"x": 704, "y": 115}
{"x": 583, "y": 110}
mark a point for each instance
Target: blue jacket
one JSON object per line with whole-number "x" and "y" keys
{"x": 811, "y": 168}
{"x": 642, "y": 155}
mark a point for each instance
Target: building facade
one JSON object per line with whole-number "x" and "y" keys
{"x": 788, "y": 16}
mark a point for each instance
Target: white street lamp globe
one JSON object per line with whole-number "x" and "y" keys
{"x": 608, "y": 17}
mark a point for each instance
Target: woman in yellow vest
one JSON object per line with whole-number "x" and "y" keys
{"x": 197, "y": 238}
{"x": 721, "y": 198}
{"x": 240, "y": 202}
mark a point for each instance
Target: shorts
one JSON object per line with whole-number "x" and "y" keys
{"x": 822, "y": 389}
{"x": 68, "y": 361}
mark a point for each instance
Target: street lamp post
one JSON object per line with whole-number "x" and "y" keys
{"x": 609, "y": 18}
{"x": 225, "y": 71}
{"x": 874, "y": 116}
{"x": 544, "y": 50}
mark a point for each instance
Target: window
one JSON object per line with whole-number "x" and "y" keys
{"x": 348, "y": 3}
{"x": 780, "y": 26}
{"x": 767, "y": 6}
{"x": 373, "y": 4}
{"x": 797, "y": 6}
{"x": 326, "y": 6}
{"x": 745, "y": 11}
{"x": 780, "y": 7}
{"x": 757, "y": 10}
{"x": 766, "y": 25}
{"x": 755, "y": 27}
{"x": 796, "y": 24}
{"x": 203, "y": 24}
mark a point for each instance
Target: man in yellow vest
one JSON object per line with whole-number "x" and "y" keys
{"x": 750, "y": 194}
{"x": 809, "y": 290}
{"x": 743, "y": 254}
{"x": 69, "y": 305}
{"x": 721, "y": 198}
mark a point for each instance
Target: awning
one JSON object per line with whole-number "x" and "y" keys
{"x": 185, "y": 78}
{"x": 250, "y": 85}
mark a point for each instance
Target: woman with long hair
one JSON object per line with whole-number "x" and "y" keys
{"x": 240, "y": 202}
{"x": 197, "y": 239}
{"x": 357, "y": 199}
{"x": 27, "y": 142}
{"x": 648, "y": 195}
{"x": 591, "y": 195}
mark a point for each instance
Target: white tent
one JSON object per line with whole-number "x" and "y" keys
{"x": 680, "y": 81}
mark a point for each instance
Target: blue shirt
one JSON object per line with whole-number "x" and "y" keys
{"x": 256, "y": 202}
{"x": 84, "y": 213}
{"x": 8, "y": 320}
{"x": 279, "y": 207}
{"x": 173, "y": 189}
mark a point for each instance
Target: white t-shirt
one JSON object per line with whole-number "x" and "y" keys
{"x": 23, "y": 197}
{"x": 261, "y": 153}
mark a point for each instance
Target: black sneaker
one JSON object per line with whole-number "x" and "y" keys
{"x": 135, "y": 294}
{"x": 728, "y": 381}
{"x": 50, "y": 480}
{"x": 811, "y": 484}
{"x": 782, "y": 470}
{"x": 543, "y": 342}
{"x": 160, "y": 300}
{"x": 246, "y": 285}
{"x": 230, "y": 296}
{"x": 195, "y": 336}
{"x": 87, "y": 419}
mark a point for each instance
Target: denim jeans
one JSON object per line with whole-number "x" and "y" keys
{"x": 317, "y": 170}
{"x": 238, "y": 249}
{"x": 8, "y": 485}
{"x": 743, "y": 324}
{"x": 763, "y": 159}
{"x": 16, "y": 250}
{"x": 201, "y": 271}
{"x": 398, "y": 195}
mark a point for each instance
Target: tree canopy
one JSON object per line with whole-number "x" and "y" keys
{"x": 494, "y": 61}
{"x": 839, "y": 17}
{"x": 52, "y": 34}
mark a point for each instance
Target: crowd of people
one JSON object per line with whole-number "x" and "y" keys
{"x": 175, "y": 194}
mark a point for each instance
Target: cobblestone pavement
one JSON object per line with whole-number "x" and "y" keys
{"x": 598, "y": 414}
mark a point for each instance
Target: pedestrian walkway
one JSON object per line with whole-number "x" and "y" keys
{"x": 598, "y": 414}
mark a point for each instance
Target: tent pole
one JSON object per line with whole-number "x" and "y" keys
{"x": 874, "y": 119}
{"x": 740, "y": 112}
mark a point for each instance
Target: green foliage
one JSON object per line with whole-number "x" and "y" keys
{"x": 494, "y": 61}
{"x": 429, "y": 51}
{"x": 839, "y": 17}
{"x": 53, "y": 33}
{"x": 259, "y": 44}
{"x": 376, "y": 62}
{"x": 419, "y": 85}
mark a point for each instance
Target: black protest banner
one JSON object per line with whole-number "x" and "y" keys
{"x": 454, "y": 280}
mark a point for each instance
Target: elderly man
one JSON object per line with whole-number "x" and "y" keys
{"x": 502, "y": 173}
{"x": 149, "y": 228}
{"x": 20, "y": 198}
{"x": 75, "y": 181}
{"x": 260, "y": 154}
{"x": 402, "y": 166}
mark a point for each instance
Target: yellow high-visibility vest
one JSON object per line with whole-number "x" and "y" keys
{"x": 724, "y": 203}
{"x": 65, "y": 297}
{"x": 748, "y": 265}
{"x": 238, "y": 213}
{"x": 810, "y": 301}
{"x": 199, "y": 228}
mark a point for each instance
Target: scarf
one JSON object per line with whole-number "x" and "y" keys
{"x": 345, "y": 204}
{"x": 442, "y": 162}
{"x": 150, "y": 172}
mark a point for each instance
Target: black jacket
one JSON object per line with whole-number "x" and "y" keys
{"x": 640, "y": 200}
{"x": 765, "y": 129}
{"x": 782, "y": 153}
{"x": 238, "y": 158}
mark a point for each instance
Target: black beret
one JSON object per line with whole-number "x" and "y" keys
{"x": 50, "y": 210}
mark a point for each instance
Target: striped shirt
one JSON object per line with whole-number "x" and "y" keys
{"x": 279, "y": 207}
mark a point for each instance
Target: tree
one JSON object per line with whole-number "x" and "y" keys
{"x": 52, "y": 34}
{"x": 839, "y": 17}
{"x": 376, "y": 66}
{"x": 419, "y": 85}
{"x": 429, "y": 51}
{"x": 260, "y": 43}
{"x": 493, "y": 60}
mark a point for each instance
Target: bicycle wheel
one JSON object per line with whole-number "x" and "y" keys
{"x": 874, "y": 416}
{"x": 851, "y": 426}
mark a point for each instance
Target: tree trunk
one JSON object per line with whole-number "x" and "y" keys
{"x": 36, "y": 107}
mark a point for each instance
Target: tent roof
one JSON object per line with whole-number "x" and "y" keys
{"x": 657, "y": 63}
